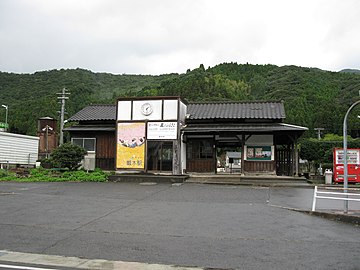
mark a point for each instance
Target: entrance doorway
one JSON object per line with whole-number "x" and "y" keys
{"x": 200, "y": 155}
{"x": 284, "y": 160}
{"x": 228, "y": 159}
{"x": 160, "y": 156}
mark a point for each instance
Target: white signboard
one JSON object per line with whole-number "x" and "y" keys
{"x": 162, "y": 130}
{"x": 352, "y": 155}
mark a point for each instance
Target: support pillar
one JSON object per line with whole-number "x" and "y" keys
{"x": 242, "y": 153}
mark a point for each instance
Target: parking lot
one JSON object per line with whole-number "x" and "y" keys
{"x": 214, "y": 226}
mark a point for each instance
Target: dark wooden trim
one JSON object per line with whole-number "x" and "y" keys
{"x": 259, "y": 166}
{"x": 200, "y": 165}
{"x": 242, "y": 153}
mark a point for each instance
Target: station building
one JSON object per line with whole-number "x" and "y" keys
{"x": 167, "y": 135}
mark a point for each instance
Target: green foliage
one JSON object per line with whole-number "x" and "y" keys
{"x": 201, "y": 85}
{"x": 5, "y": 174}
{"x": 96, "y": 176}
{"x": 312, "y": 97}
{"x": 44, "y": 175}
{"x": 37, "y": 93}
{"x": 321, "y": 151}
{"x": 68, "y": 156}
{"x": 335, "y": 137}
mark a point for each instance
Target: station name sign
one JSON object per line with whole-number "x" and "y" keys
{"x": 162, "y": 130}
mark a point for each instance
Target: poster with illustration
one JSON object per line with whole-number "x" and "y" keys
{"x": 130, "y": 146}
{"x": 259, "y": 153}
{"x": 250, "y": 152}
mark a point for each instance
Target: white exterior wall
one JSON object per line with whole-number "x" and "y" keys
{"x": 164, "y": 120}
{"x": 170, "y": 109}
{"x": 18, "y": 149}
{"x": 183, "y": 111}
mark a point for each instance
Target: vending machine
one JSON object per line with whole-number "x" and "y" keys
{"x": 353, "y": 160}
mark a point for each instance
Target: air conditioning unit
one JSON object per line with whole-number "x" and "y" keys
{"x": 89, "y": 163}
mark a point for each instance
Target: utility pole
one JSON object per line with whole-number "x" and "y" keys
{"x": 319, "y": 138}
{"x": 62, "y": 97}
{"x": 346, "y": 203}
{"x": 319, "y": 132}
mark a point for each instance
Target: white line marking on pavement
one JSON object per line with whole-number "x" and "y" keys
{"x": 24, "y": 267}
{"x": 78, "y": 263}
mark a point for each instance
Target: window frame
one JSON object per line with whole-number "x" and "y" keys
{"x": 83, "y": 143}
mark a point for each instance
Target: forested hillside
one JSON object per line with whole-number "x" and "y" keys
{"x": 31, "y": 96}
{"x": 312, "y": 97}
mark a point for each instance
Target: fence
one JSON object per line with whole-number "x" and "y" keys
{"x": 347, "y": 194}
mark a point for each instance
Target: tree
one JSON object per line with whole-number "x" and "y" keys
{"x": 68, "y": 156}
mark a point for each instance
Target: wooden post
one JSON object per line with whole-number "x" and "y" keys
{"x": 176, "y": 158}
{"x": 296, "y": 159}
{"x": 242, "y": 153}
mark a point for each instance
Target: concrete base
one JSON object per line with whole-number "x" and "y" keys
{"x": 224, "y": 179}
{"x": 255, "y": 180}
{"x": 139, "y": 178}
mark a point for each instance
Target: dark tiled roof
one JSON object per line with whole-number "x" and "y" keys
{"x": 95, "y": 112}
{"x": 90, "y": 128}
{"x": 211, "y": 128}
{"x": 218, "y": 110}
{"x": 237, "y": 110}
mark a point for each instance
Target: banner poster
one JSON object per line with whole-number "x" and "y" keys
{"x": 258, "y": 152}
{"x": 130, "y": 146}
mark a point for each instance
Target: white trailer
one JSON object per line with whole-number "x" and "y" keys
{"x": 18, "y": 149}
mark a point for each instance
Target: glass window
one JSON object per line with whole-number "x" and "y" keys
{"x": 159, "y": 156}
{"x": 77, "y": 141}
{"x": 200, "y": 149}
{"x": 88, "y": 143}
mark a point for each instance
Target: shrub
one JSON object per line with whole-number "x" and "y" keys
{"x": 46, "y": 163}
{"x": 44, "y": 175}
{"x": 96, "y": 176}
{"x": 3, "y": 173}
{"x": 321, "y": 151}
{"x": 68, "y": 156}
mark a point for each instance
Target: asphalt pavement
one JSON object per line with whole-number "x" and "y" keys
{"x": 207, "y": 226}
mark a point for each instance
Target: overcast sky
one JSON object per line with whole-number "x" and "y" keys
{"x": 165, "y": 36}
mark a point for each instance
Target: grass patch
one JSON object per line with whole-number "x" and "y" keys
{"x": 48, "y": 175}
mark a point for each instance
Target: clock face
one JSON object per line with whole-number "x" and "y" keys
{"x": 146, "y": 109}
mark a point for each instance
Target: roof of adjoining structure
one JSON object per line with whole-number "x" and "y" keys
{"x": 94, "y": 113}
{"x": 197, "y": 111}
{"x": 237, "y": 110}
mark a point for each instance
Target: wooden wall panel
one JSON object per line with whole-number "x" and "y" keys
{"x": 259, "y": 166}
{"x": 105, "y": 163}
{"x": 200, "y": 165}
{"x": 105, "y": 145}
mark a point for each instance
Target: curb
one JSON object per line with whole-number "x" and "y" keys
{"x": 346, "y": 218}
{"x": 45, "y": 260}
{"x": 252, "y": 183}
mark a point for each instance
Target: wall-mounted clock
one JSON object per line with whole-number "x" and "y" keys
{"x": 146, "y": 109}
